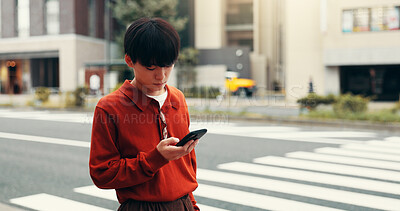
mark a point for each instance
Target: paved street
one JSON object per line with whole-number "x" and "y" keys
{"x": 241, "y": 165}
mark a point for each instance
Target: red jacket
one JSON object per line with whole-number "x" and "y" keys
{"x": 123, "y": 155}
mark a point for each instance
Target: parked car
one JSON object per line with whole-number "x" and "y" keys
{"x": 243, "y": 87}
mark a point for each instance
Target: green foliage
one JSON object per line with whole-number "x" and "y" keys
{"x": 188, "y": 57}
{"x": 396, "y": 108}
{"x": 80, "y": 96}
{"x": 378, "y": 116}
{"x": 117, "y": 87}
{"x": 349, "y": 103}
{"x": 127, "y": 11}
{"x": 69, "y": 99}
{"x": 202, "y": 92}
{"x": 42, "y": 94}
{"x": 312, "y": 100}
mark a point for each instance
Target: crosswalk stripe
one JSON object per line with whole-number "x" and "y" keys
{"x": 345, "y": 160}
{"x": 355, "y": 153}
{"x": 315, "y": 177}
{"x": 377, "y": 149}
{"x": 92, "y": 190}
{"x": 46, "y": 202}
{"x": 329, "y": 167}
{"x": 359, "y": 199}
{"x": 254, "y": 200}
{"x": 393, "y": 139}
{"x": 383, "y": 143}
{"x": 48, "y": 116}
{"x": 253, "y": 129}
{"x": 292, "y": 134}
{"x": 209, "y": 208}
{"x": 47, "y": 140}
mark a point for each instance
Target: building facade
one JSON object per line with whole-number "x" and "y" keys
{"x": 47, "y": 43}
{"x": 338, "y": 46}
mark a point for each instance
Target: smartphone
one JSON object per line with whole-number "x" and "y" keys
{"x": 197, "y": 134}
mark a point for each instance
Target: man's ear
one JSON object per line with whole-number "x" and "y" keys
{"x": 128, "y": 60}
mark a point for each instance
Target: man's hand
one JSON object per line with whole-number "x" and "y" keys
{"x": 170, "y": 152}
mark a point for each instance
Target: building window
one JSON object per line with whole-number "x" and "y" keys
{"x": 371, "y": 19}
{"x": 52, "y": 16}
{"x": 361, "y": 20}
{"x": 239, "y": 23}
{"x": 92, "y": 18}
{"x": 1, "y": 23}
{"x": 23, "y": 18}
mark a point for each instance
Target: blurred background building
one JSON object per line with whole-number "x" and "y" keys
{"x": 47, "y": 42}
{"x": 337, "y": 46}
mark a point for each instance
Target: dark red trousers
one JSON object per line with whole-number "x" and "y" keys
{"x": 181, "y": 204}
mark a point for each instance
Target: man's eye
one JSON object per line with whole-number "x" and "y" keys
{"x": 151, "y": 68}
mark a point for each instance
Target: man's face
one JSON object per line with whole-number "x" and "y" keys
{"x": 150, "y": 80}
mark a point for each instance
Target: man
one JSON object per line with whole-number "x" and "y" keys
{"x": 136, "y": 127}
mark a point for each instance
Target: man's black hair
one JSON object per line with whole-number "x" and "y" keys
{"x": 152, "y": 41}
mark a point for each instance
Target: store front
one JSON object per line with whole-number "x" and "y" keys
{"x": 382, "y": 82}
{"x": 21, "y": 76}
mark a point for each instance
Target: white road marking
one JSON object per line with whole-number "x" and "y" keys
{"x": 383, "y": 144}
{"x": 345, "y": 160}
{"x": 286, "y": 133}
{"x": 92, "y": 190}
{"x": 209, "y": 208}
{"x": 254, "y": 200}
{"x": 359, "y": 199}
{"x": 46, "y": 202}
{"x": 72, "y": 117}
{"x": 47, "y": 140}
{"x": 377, "y": 149}
{"x": 355, "y": 153}
{"x": 395, "y": 139}
{"x": 316, "y": 177}
{"x": 329, "y": 167}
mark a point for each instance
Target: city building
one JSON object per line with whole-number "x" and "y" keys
{"x": 48, "y": 42}
{"x": 334, "y": 46}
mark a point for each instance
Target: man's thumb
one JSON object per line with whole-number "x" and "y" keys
{"x": 172, "y": 141}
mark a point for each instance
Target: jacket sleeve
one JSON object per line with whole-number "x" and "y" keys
{"x": 107, "y": 169}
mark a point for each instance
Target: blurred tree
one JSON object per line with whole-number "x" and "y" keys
{"x": 186, "y": 73}
{"x": 127, "y": 11}
{"x": 188, "y": 56}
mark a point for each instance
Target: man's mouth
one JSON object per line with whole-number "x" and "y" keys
{"x": 159, "y": 84}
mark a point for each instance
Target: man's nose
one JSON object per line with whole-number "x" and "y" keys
{"x": 160, "y": 73}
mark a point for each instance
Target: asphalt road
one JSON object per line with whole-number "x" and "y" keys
{"x": 242, "y": 165}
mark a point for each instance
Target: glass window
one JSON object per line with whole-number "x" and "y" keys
{"x": 0, "y": 25}
{"x": 391, "y": 19}
{"x": 371, "y": 19}
{"x": 23, "y": 18}
{"x": 239, "y": 23}
{"x": 347, "y": 21}
{"x": 52, "y": 16}
{"x": 361, "y": 20}
{"x": 377, "y": 19}
{"x": 239, "y": 12}
{"x": 92, "y": 18}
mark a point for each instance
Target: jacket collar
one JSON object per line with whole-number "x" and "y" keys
{"x": 142, "y": 101}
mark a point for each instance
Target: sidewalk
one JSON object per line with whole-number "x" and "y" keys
{"x": 267, "y": 109}
{"x": 278, "y": 111}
